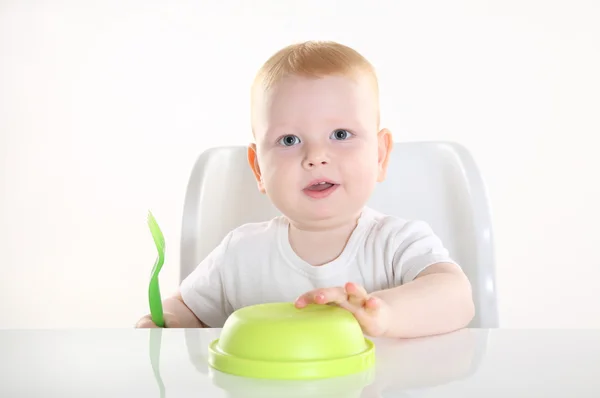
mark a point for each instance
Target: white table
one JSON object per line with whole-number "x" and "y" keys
{"x": 469, "y": 363}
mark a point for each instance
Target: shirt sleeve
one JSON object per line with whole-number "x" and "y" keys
{"x": 203, "y": 290}
{"x": 417, "y": 247}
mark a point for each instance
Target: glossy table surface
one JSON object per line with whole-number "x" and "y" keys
{"x": 172, "y": 363}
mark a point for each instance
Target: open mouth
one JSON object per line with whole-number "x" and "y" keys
{"x": 321, "y": 186}
{"x": 320, "y": 189}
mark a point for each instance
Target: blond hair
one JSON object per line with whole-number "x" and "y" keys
{"x": 312, "y": 59}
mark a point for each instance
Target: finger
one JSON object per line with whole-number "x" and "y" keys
{"x": 369, "y": 316}
{"x": 335, "y": 295}
{"x": 171, "y": 321}
{"x": 372, "y": 304}
{"x": 313, "y": 297}
{"x": 145, "y": 323}
{"x": 357, "y": 295}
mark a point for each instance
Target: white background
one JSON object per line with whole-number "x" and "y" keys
{"x": 104, "y": 107}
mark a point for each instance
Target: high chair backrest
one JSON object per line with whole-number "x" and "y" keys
{"x": 437, "y": 182}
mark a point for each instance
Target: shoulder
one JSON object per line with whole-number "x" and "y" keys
{"x": 244, "y": 244}
{"x": 410, "y": 245}
{"x": 393, "y": 228}
{"x": 251, "y": 236}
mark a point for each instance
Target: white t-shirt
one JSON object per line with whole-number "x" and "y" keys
{"x": 255, "y": 264}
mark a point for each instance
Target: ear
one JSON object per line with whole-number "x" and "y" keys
{"x": 385, "y": 144}
{"x": 253, "y": 162}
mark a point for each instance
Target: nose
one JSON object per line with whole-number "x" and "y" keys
{"x": 315, "y": 157}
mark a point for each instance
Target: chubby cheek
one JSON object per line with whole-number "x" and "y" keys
{"x": 361, "y": 170}
{"x": 277, "y": 169}
{"x": 362, "y": 178}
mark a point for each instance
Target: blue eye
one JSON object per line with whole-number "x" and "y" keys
{"x": 289, "y": 140}
{"x": 341, "y": 134}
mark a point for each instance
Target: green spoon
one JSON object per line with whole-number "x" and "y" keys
{"x": 156, "y": 309}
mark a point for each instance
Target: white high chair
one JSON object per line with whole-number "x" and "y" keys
{"x": 437, "y": 182}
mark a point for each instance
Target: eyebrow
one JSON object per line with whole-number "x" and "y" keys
{"x": 282, "y": 129}
{"x": 277, "y": 130}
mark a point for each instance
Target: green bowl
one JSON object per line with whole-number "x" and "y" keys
{"x": 349, "y": 386}
{"x": 279, "y": 341}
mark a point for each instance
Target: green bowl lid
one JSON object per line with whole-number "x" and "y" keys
{"x": 280, "y": 341}
{"x": 349, "y": 386}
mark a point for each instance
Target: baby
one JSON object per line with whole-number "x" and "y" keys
{"x": 318, "y": 153}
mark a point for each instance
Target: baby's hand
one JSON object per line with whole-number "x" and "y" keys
{"x": 171, "y": 321}
{"x": 372, "y": 313}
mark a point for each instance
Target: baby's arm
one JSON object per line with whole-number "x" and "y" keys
{"x": 438, "y": 300}
{"x": 430, "y": 294}
{"x": 186, "y": 318}
{"x": 175, "y": 313}
{"x": 199, "y": 302}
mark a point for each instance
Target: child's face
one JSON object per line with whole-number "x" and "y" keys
{"x": 315, "y": 130}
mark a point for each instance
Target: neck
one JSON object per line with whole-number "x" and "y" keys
{"x": 320, "y": 243}
{"x": 326, "y": 225}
